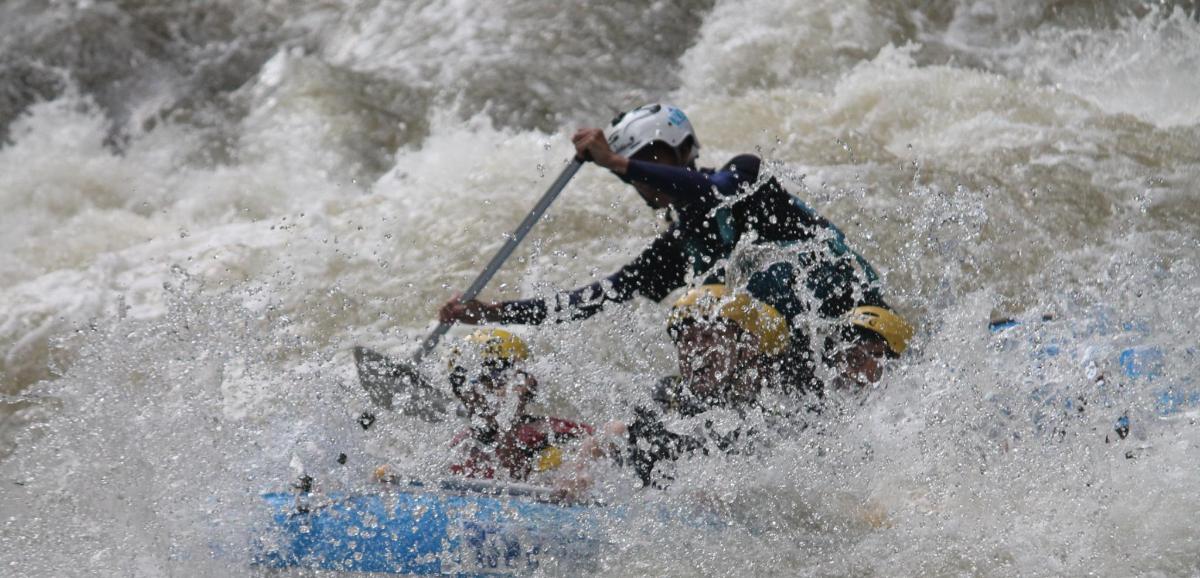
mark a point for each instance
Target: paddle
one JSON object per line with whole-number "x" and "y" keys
{"x": 383, "y": 378}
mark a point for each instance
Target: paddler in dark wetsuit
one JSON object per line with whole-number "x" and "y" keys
{"x": 503, "y": 439}
{"x": 654, "y": 149}
{"x": 731, "y": 346}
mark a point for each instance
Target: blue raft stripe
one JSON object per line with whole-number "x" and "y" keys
{"x": 456, "y": 526}
{"x": 1141, "y": 363}
{"x": 422, "y": 533}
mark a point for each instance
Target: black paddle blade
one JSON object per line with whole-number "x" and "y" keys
{"x": 398, "y": 386}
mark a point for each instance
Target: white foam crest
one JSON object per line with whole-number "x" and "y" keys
{"x": 1125, "y": 59}
{"x": 494, "y": 56}
{"x": 60, "y": 184}
{"x": 768, "y": 44}
{"x": 1132, "y": 69}
{"x": 349, "y": 124}
{"x": 91, "y": 226}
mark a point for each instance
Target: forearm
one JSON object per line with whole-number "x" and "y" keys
{"x": 658, "y": 270}
{"x": 536, "y": 311}
{"x": 521, "y": 312}
{"x": 618, "y": 164}
{"x": 574, "y": 305}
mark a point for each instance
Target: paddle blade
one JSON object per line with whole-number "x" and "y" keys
{"x": 398, "y": 386}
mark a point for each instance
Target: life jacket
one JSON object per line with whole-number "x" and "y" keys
{"x": 815, "y": 257}
{"x": 532, "y": 446}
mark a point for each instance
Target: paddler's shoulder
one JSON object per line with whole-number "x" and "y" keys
{"x": 744, "y": 167}
{"x": 735, "y": 175}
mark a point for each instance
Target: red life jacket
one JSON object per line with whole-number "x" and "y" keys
{"x": 518, "y": 450}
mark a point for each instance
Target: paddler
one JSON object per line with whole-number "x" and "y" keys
{"x": 654, "y": 149}
{"x": 731, "y": 345}
{"x": 488, "y": 375}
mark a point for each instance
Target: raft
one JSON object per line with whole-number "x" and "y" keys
{"x": 1116, "y": 354}
{"x": 460, "y": 527}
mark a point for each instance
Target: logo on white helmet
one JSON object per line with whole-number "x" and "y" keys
{"x": 675, "y": 117}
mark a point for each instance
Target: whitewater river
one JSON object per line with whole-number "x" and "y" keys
{"x": 205, "y": 204}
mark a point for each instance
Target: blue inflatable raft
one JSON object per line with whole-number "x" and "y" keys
{"x": 1123, "y": 353}
{"x": 454, "y": 527}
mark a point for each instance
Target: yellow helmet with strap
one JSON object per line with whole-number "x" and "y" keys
{"x": 493, "y": 345}
{"x": 710, "y": 302}
{"x": 891, "y": 327}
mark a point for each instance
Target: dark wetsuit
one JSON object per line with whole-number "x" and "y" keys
{"x": 651, "y": 441}
{"x": 714, "y": 211}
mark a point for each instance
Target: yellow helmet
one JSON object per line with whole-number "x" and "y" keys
{"x": 755, "y": 317}
{"x": 891, "y": 327}
{"x": 496, "y": 345}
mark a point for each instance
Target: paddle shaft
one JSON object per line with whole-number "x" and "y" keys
{"x": 503, "y": 254}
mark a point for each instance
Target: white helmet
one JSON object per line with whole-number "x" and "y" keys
{"x": 634, "y": 130}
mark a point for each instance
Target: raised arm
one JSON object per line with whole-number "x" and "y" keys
{"x": 683, "y": 185}
{"x": 686, "y": 185}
